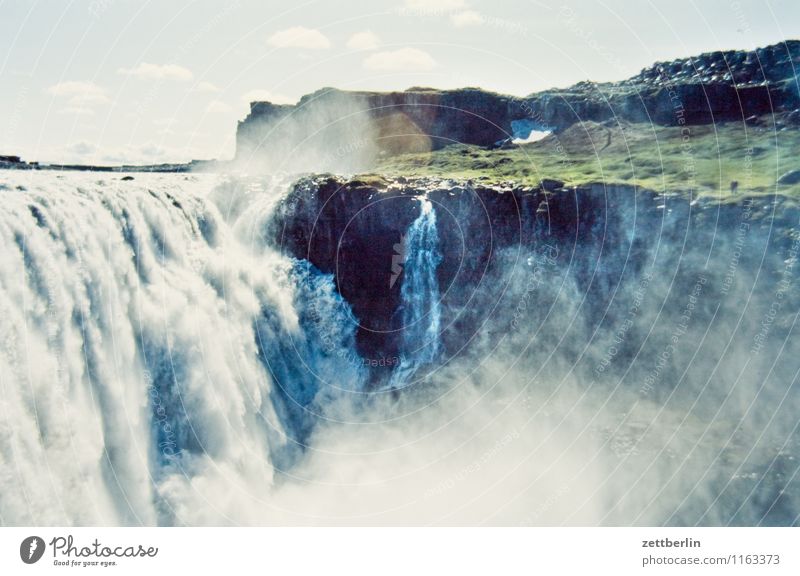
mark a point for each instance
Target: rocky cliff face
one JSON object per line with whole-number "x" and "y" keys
{"x": 499, "y": 244}
{"x": 496, "y": 243}
{"x": 715, "y": 86}
{"x": 333, "y": 129}
{"x": 352, "y": 229}
{"x": 346, "y": 131}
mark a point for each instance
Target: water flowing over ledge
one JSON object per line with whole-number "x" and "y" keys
{"x": 223, "y": 351}
{"x": 420, "y": 299}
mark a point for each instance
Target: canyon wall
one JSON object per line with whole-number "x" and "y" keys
{"x": 597, "y": 237}
{"x": 348, "y": 131}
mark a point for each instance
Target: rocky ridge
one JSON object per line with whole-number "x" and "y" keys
{"x": 712, "y": 87}
{"x": 350, "y": 228}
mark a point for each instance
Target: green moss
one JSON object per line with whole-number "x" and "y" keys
{"x": 370, "y": 181}
{"x": 701, "y": 159}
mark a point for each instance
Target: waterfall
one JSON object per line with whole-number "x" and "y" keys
{"x": 420, "y": 300}
{"x": 154, "y": 352}
{"x": 161, "y": 362}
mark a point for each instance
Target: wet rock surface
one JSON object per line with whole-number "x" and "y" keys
{"x": 597, "y": 234}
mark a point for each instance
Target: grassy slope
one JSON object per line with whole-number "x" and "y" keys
{"x": 655, "y": 157}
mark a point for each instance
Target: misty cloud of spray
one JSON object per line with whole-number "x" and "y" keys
{"x": 161, "y": 364}
{"x": 326, "y": 131}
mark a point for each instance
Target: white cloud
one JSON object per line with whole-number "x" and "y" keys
{"x": 147, "y": 71}
{"x": 366, "y": 40}
{"x": 206, "y": 88}
{"x": 402, "y": 60}
{"x": 435, "y": 5}
{"x": 152, "y": 151}
{"x": 265, "y": 96}
{"x": 82, "y": 148}
{"x": 79, "y": 95}
{"x": 466, "y": 18}
{"x": 300, "y": 37}
{"x": 218, "y": 107}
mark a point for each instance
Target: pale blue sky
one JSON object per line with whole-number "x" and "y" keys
{"x": 108, "y": 81}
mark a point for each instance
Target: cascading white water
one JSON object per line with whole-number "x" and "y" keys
{"x": 160, "y": 363}
{"x": 420, "y": 298}
{"x": 151, "y": 347}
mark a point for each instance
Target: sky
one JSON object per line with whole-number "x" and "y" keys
{"x": 113, "y": 81}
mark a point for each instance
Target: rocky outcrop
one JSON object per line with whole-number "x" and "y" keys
{"x": 346, "y": 131}
{"x": 333, "y": 129}
{"x": 774, "y": 64}
{"x": 712, "y": 87}
{"x": 351, "y": 229}
{"x": 15, "y": 163}
{"x": 489, "y": 234}
{"x": 422, "y": 118}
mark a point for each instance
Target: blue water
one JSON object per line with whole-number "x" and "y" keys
{"x": 420, "y": 298}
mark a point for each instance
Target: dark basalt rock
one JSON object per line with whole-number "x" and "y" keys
{"x": 334, "y": 128}
{"x": 489, "y": 235}
{"x": 351, "y": 230}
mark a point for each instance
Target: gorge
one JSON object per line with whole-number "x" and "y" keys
{"x": 383, "y": 311}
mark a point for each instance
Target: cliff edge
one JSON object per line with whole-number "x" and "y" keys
{"x": 349, "y": 131}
